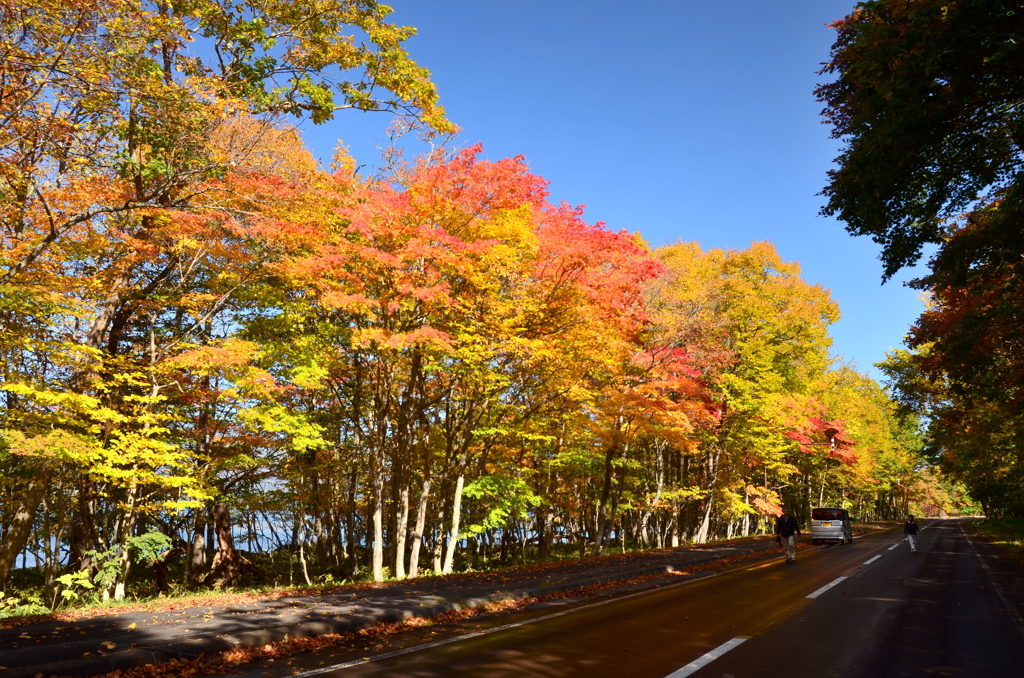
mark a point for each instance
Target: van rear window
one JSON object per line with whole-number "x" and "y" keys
{"x": 825, "y": 514}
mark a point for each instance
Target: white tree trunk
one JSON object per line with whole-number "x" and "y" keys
{"x": 453, "y": 538}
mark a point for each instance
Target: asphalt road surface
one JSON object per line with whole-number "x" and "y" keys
{"x": 866, "y": 610}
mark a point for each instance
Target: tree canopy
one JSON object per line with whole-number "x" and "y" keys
{"x": 927, "y": 102}
{"x": 109, "y": 107}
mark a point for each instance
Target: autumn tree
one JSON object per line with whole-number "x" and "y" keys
{"x": 428, "y": 318}
{"x": 758, "y": 333}
{"x": 128, "y": 150}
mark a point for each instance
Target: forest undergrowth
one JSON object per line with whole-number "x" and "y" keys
{"x": 1007, "y": 533}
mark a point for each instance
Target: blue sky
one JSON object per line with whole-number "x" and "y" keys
{"x": 683, "y": 120}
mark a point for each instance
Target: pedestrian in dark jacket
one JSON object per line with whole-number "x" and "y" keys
{"x": 910, "y": 531}
{"x": 787, "y": 528}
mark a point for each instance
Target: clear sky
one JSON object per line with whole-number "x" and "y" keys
{"x": 680, "y": 119}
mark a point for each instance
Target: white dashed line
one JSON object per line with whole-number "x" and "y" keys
{"x": 703, "y": 661}
{"x": 895, "y": 546}
{"x": 826, "y": 587}
{"x": 871, "y": 560}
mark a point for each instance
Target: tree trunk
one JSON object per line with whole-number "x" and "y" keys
{"x": 503, "y": 551}
{"x": 417, "y": 536}
{"x": 546, "y": 516}
{"x": 545, "y": 535}
{"x": 302, "y": 550}
{"x": 659, "y": 465}
{"x": 610, "y": 526}
{"x": 159, "y": 565}
{"x": 126, "y": 532}
{"x": 53, "y": 536}
{"x": 334, "y": 546}
{"x": 226, "y": 567}
{"x": 401, "y": 528}
{"x": 675, "y": 523}
{"x": 601, "y": 531}
{"x": 20, "y": 529}
{"x": 439, "y": 543}
{"x": 746, "y": 516}
{"x": 84, "y": 537}
{"x": 453, "y": 539}
{"x": 705, "y": 525}
{"x": 350, "y": 523}
{"x": 378, "y": 517}
{"x": 197, "y": 557}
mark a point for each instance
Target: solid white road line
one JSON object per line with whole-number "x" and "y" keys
{"x": 871, "y": 560}
{"x": 826, "y": 587}
{"x": 496, "y": 629}
{"x": 703, "y": 661}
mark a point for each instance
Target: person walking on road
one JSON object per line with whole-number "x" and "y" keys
{"x": 910, "y": 531}
{"x": 787, "y": 528}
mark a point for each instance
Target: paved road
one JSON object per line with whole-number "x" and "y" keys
{"x": 866, "y": 610}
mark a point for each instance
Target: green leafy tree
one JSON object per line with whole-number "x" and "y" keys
{"x": 927, "y": 100}
{"x": 927, "y": 97}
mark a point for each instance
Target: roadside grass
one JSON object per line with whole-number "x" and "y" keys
{"x": 1008, "y": 533}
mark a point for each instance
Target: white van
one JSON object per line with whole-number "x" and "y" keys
{"x": 831, "y": 525}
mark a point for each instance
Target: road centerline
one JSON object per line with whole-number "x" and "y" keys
{"x": 871, "y": 560}
{"x": 826, "y": 587}
{"x": 705, "y": 659}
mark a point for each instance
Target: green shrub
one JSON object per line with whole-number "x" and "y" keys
{"x": 25, "y": 604}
